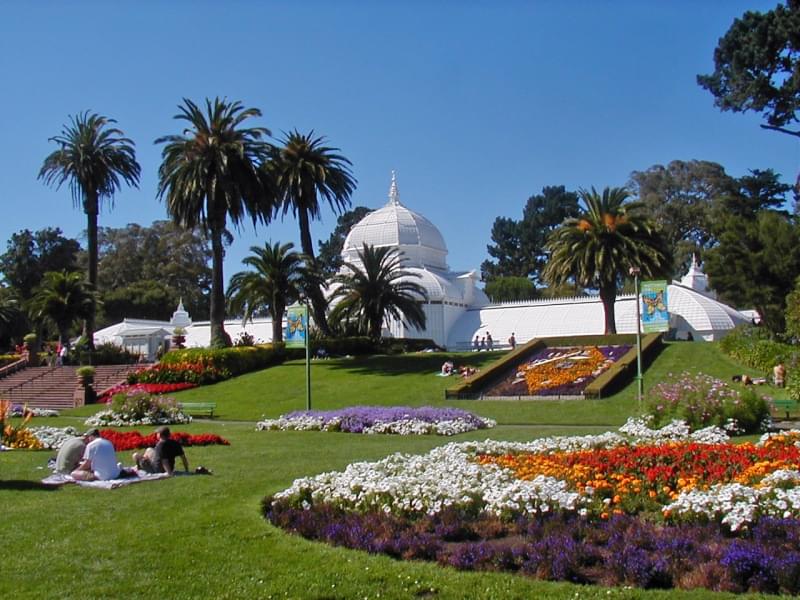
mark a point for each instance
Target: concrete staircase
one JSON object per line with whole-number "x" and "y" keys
{"x": 54, "y": 387}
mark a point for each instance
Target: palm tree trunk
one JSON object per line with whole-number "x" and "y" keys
{"x": 277, "y": 309}
{"x": 219, "y": 337}
{"x": 608, "y": 295}
{"x": 91, "y": 242}
{"x": 318, "y": 304}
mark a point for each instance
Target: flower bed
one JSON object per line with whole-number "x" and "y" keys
{"x": 198, "y": 372}
{"x": 130, "y": 440}
{"x": 139, "y": 408}
{"x": 53, "y": 437}
{"x": 401, "y": 420}
{"x": 642, "y": 507}
{"x": 150, "y": 388}
{"x": 558, "y": 371}
{"x": 702, "y": 400}
{"x": 22, "y": 411}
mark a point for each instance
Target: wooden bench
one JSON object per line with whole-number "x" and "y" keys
{"x": 785, "y": 405}
{"x": 199, "y": 408}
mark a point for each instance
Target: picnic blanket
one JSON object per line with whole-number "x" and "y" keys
{"x": 110, "y": 484}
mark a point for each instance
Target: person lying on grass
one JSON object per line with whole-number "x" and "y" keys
{"x": 99, "y": 459}
{"x": 161, "y": 459}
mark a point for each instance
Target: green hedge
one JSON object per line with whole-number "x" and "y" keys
{"x": 236, "y": 360}
{"x": 752, "y": 346}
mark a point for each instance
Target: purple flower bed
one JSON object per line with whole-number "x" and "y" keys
{"x": 624, "y": 550}
{"x": 357, "y": 418}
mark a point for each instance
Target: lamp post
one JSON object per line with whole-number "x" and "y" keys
{"x": 636, "y": 271}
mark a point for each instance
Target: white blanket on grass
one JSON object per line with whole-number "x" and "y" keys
{"x": 110, "y": 484}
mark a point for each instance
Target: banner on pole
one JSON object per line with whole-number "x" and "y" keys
{"x": 296, "y": 327}
{"x": 655, "y": 311}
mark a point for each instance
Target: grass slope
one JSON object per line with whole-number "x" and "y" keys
{"x": 203, "y": 537}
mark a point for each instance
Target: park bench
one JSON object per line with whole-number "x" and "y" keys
{"x": 785, "y": 405}
{"x": 199, "y": 408}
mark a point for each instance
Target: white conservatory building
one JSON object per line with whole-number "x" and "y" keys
{"x": 456, "y": 309}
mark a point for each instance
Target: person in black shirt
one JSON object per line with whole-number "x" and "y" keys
{"x": 161, "y": 459}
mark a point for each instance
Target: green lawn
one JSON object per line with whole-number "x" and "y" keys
{"x": 203, "y": 536}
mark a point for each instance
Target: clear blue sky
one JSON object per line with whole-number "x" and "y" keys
{"x": 477, "y": 105}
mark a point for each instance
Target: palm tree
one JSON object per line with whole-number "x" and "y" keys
{"x": 598, "y": 248}
{"x": 278, "y": 279}
{"x": 381, "y": 288}
{"x": 209, "y": 174}
{"x": 10, "y": 315}
{"x": 303, "y": 170}
{"x": 96, "y": 159}
{"x": 63, "y": 297}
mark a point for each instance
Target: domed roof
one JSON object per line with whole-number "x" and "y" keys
{"x": 395, "y": 225}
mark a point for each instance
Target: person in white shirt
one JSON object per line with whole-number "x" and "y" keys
{"x": 99, "y": 459}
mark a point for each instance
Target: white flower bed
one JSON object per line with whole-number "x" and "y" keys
{"x": 737, "y": 505}
{"x": 448, "y": 476}
{"x": 19, "y": 411}
{"x": 53, "y": 437}
{"x": 108, "y": 418}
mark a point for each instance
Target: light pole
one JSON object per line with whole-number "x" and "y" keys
{"x": 636, "y": 271}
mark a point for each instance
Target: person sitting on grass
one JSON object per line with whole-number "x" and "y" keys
{"x": 161, "y": 459}
{"x": 99, "y": 459}
{"x": 70, "y": 455}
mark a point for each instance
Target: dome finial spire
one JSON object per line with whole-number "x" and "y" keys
{"x": 394, "y": 195}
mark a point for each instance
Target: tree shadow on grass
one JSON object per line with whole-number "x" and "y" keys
{"x": 392, "y": 365}
{"x": 26, "y": 485}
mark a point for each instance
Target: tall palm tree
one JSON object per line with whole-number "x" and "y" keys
{"x": 209, "y": 174}
{"x": 304, "y": 170}
{"x": 96, "y": 159}
{"x": 378, "y": 288}
{"x": 277, "y": 280}
{"x": 63, "y": 298}
{"x": 598, "y": 248}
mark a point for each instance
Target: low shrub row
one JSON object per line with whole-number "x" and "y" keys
{"x": 752, "y": 346}
{"x": 232, "y": 361}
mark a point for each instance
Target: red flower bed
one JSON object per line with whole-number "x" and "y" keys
{"x": 150, "y": 388}
{"x": 130, "y": 440}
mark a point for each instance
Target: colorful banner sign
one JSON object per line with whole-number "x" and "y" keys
{"x": 296, "y": 327}
{"x": 655, "y": 312}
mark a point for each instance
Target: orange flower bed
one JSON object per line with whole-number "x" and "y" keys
{"x": 646, "y": 477}
{"x": 556, "y": 373}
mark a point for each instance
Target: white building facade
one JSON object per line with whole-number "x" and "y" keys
{"x": 456, "y": 309}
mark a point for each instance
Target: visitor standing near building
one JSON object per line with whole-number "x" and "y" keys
{"x": 489, "y": 342}
{"x": 482, "y": 344}
{"x": 476, "y": 345}
{"x": 62, "y": 355}
{"x": 512, "y": 341}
